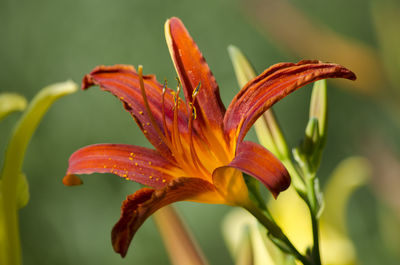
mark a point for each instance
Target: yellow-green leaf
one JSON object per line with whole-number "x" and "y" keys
{"x": 10, "y": 102}
{"x": 22, "y": 191}
{"x": 13, "y": 190}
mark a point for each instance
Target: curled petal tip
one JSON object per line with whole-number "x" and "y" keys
{"x": 173, "y": 19}
{"x": 343, "y": 72}
{"x": 340, "y": 71}
{"x": 350, "y": 75}
{"x": 72, "y": 180}
{"x": 283, "y": 185}
{"x": 87, "y": 82}
{"x": 275, "y": 193}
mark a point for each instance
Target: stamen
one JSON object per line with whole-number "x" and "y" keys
{"x": 193, "y": 153}
{"x": 191, "y": 104}
{"x": 152, "y": 120}
{"x": 176, "y": 140}
{"x": 166, "y": 133}
{"x": 193, "y": 108}
{"x": 196, "y": 91}
{"x": 176, "y": 94}
{"x": 179, "y": 85}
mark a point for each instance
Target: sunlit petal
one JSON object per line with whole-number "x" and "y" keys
{"x": 193, "y": 70}
{"x": 272, "y": 85}
{"x": 140, "y": 205}
{"x": 123, "y": 82}
{"x": 140, "y": 164}
{"x": 229, "y": 182}
{"x": 255, "y": 160}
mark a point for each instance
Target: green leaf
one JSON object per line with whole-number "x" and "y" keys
{"x": 243, "y": 69}
{"x": 10, "y": 102}
{"x": 28, "y": 123}
{"x": 22, "y": 191}
{"x": 14, "y": 189}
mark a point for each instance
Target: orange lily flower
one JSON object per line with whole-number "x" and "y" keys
{"x": 199, "y": 149}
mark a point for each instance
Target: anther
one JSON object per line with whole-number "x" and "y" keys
{"x": 196, "y": 90}
{"x": 194, "y": 113}
{"x": 178, "y": 81}
{"x": 165, "y": 85}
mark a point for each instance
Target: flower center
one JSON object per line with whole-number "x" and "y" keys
{"x": 180, "y": 141}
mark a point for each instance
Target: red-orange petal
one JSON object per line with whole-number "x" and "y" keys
{"x": 139, "y": 164}
{"x": 275, "y": 83}
{"x": 123, "y": 82}
{"x": 256, "y": 161}
{"x": 72, "y": 180}
{"x": 140, "y": 205}
{"x": 193, "y": 70}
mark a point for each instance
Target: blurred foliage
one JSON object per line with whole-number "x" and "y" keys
{"x": 45, "y": 41}
{"x": 11, "y": 102}
{"x": 14, "y": 188}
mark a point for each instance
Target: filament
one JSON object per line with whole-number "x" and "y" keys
{"x": 193, "y": 153}
{"x": 175, "y": 131}
{"x": 146, "y": 103}
{"x": 166, "y": 133}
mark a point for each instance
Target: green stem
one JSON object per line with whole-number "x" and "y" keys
{"x": 297, "y": 180}
{"x": 11, "y": 250}
{"x": 312, "y": 205}
{"x": 316, "y": 251}
{"x": 276, "y": 232}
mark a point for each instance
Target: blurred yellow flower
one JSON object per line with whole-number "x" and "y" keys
{"x": 292, "y": 215}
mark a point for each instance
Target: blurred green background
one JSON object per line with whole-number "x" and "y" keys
{"x": 45, "y": 41}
